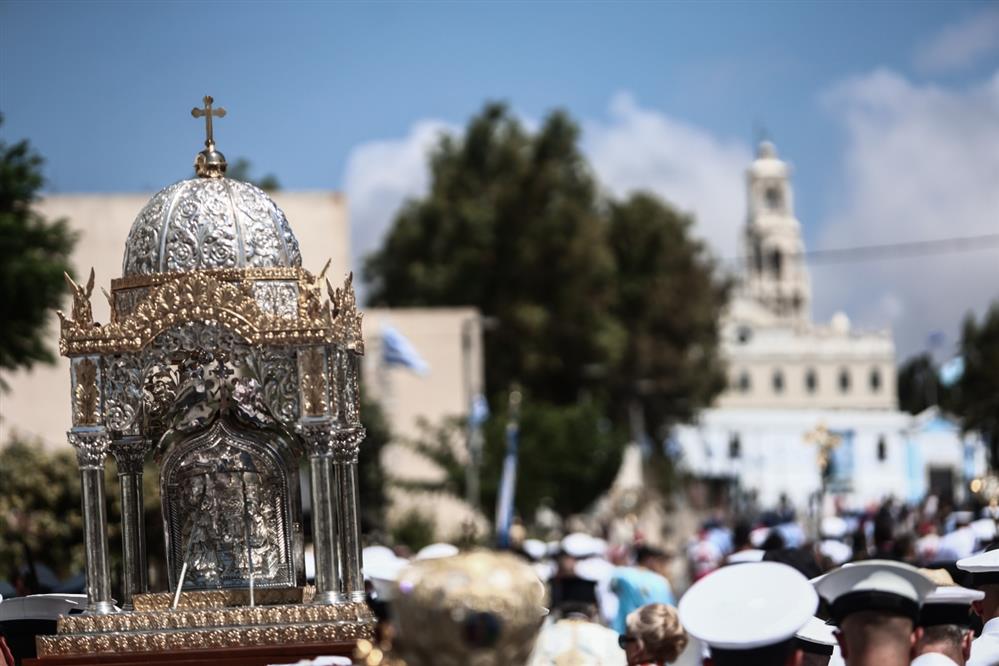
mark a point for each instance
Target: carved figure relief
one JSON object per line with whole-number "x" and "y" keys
{"x": 227, "y": 511}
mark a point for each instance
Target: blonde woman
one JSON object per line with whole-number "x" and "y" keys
{"x": 654, "y": 636}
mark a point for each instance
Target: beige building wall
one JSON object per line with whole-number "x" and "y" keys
{"x": 37, "y": 404}
{"x": 449, "y": 340}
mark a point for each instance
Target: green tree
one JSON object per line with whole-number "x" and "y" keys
{"x": 919, "y": 386}
{"x": 34, "y": 254}
{"x": 511, "y": 225}
{"x": 976, "y": 394}
{"x": 242, "y": 169}
{"x": 569, "y": 455}
{"x": 603, "y": 308}
{"x": 668, "y": 299}
{"x": 371, "y": 476}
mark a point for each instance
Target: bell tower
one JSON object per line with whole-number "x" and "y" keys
{"x": 776, "y": 276}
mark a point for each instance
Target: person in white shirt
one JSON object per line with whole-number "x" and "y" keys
{"x": 984, "y": 569}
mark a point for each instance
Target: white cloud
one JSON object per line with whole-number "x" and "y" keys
{"x": 686, "y": 165}
{"x": 961, "y": 44}
{"x": 380, "y": 176}
{"x": 921, "y": 162}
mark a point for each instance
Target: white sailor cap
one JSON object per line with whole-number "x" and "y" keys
{"x": 746, "y": 556}
{"x": 874, "y": 585}
{"x": 748, "y": 606}
{"x": 833, "y": 527}
{"x": 580, "y": 545}
{"x": 984, "y": 568}
{"x": 536, "y": 549}
{"x": 436, "y": 550}
{"x": 816, "y": 637}
{"x": 948, "y": 603}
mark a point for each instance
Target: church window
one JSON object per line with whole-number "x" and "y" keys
{"x": 811, "y": 381}
{"x": 844, "y": 380}
{"x": 796, "y": 303}
{"x": 875, "y": 380}
{"x": 773, "y": 198}
{"x": 744, "y": 334}
{"x": 882, "y": 449}
{"x": 744, "y": 382}
{"x": 778, "y": 381}
{"x": 776, "y": 263}
{"x": 734, "y": 447}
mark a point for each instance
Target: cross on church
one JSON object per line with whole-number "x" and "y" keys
{"x": 207, "y": 112}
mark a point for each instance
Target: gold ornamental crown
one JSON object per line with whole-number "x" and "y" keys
{"x": 485, "y": 609}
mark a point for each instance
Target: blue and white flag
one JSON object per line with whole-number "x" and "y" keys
{"x": 397, "y": 350}
{"x": 952, "y": 371}
{"x": 508, "y": 484}
{"x": 480, "y": 410}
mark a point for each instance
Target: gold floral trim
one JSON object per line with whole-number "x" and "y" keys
{"x": 199, "y": 639}
{"x": 203, "y": 618}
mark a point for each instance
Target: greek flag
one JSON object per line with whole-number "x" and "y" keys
{"x": 397, "y": 350}
{"x": 508, "y": 485}
{"x": 951, "y": 371}
{"x": 480, "y": 410}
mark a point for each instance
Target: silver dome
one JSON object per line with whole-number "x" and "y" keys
{"x": 209, "y": 223}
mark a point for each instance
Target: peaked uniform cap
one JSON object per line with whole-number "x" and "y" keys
{"x": 874, "y": 585}
{"x": 748, "y": 606}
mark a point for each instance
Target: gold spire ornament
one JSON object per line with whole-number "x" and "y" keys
{"x": 209, "y": 163}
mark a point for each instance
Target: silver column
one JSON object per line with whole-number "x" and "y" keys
{"x": 348, "y": 443}
{"x": 92, "y": 446}
{"x": 130, "y": 454}
{"x": 318, "y": 437}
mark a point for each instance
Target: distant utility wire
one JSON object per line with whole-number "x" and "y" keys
{"x": 900, "y": 250}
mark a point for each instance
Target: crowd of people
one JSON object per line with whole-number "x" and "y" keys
{"x": 895, "y": 584}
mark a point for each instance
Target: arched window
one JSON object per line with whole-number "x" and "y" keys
{"x": 875, "y": 380}
{"x": 811, "y": 380}
{"x": 882, "y": 449}
{"x": 744, "y": 334}
{"x": 796, "y": 302}
{"x": 778, "y": 381}
{"x": 745, "y": 384}
{"x": 776, "y": 263}
{"x": 734, "y": 446}
{"x": 773, "y": 197}
{"x": 844, "y": 380}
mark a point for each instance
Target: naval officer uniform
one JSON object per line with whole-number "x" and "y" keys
{"x": 984, "y": 570}
{"x": 748, "y": 615}
{"x": 875, "y": 604}
{"x": 946, "y": 622}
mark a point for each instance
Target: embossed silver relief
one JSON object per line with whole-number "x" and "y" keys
{"x": 276, "y": 371}
{"x": 209, "y": 223}
{"x": 92, "y": 447}
{"x": 227, "y": 510}
{"x": 277, "y": 297}
{"x": 123, "y": 393}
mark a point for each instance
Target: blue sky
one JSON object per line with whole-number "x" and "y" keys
{"x": 317, "y": 93}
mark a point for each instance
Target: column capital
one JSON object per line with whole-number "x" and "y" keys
{"x": 130, "y": 453}
{"x": 317, "y": 435}
{"x": 92, "y": 447}
{"x": 347, "y": 444}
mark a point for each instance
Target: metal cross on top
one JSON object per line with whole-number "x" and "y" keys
{"x": 208, "y": 112}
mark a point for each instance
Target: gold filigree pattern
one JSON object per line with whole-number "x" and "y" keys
{"x": 161, "y": 601}
{"x": 209, "y": 618}
{"x": 196, "y": 296}
{"x": 346, "y": 316}
{"x": 308, "y": 632}
{"x": 86, "y": 395}
{"x": 312, "y": 376}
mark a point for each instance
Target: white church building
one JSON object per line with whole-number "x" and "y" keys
{"x": 795, "y": 383}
